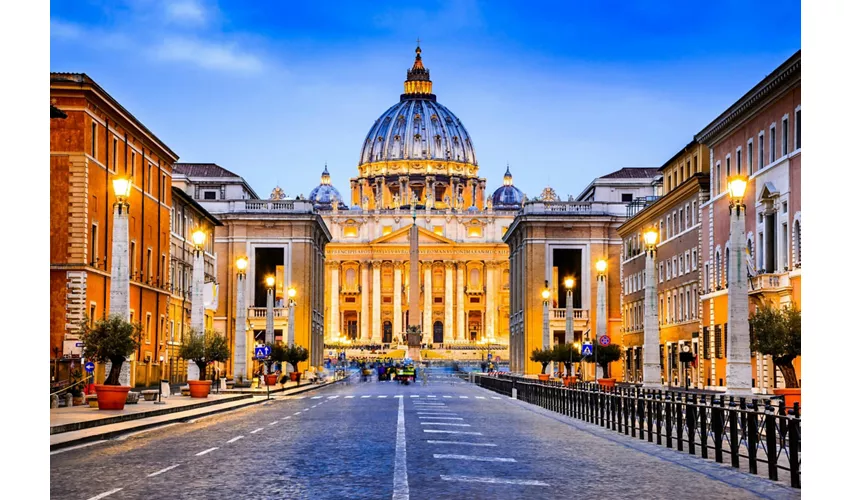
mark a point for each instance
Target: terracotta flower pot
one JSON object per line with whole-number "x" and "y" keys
{"x": 607, "y": 383}
{"x": 570, "y": 380}
{"x": 543, "y": 376}
{"x": 791, "y": 396}
{"x": 199, "y": 388}
{"x": 111, "y": 397}
{"x": 271, "y": 379}
{"x": 294, "y": 376}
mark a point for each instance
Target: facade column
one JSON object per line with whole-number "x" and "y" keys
{"x": 448, "y": 327}
{"x": 569, "y": 334}
{"x": 334, "y": 326}
{"x": 240, "y": 334}
{"x": 738, "y": 367}
{"x": 119, "y": 283}
{"x": 651, "y": 369}
{"x": 364, "y": 301}
{"x": 376, "y": 301}
{"x": 490, "y": 300}
{"x": 428, "y": 326}
{"x": 397, "y": 326}
{"x": 601, "y": 314}
{"x": 197, "y": 316}
{"x": 461, "y": 301}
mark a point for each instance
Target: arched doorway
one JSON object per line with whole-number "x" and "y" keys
{"x": 438, "y": 332}
{"x": 388, "y": 332}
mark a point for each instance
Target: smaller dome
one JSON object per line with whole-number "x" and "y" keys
{"x": 324, "y": 195}
{"x": 507, "y": 197}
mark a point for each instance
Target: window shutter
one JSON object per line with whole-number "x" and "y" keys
{"x": 706, "y": 351}
{"x": 718, "y": 344}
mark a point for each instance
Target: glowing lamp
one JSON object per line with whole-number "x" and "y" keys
{"x": 291, "y": 292}
{"x": 199, "y": 237}
{"x": 601, "y": 265}
{"x": 270, "y": 281}
{"x": 122, "y": 187}
{"x": 737, "y": 186}
{"x": 650, "y": 237}
{"x": 241, "y": 264}
{"x": 569, "y": 283}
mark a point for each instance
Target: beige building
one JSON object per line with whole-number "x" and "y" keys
{"x": 552, "y": 239}
{"x": 281, "y": 237}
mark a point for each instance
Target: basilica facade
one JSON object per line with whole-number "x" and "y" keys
{"x": 417, "y": 158}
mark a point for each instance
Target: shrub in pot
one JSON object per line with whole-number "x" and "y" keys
{"x": 278, "y": 355}
{"x": 777, "y": 332}
{"x": 605, "y": 355}
{"x": 567, "y": 354}
{"x": 295, "y": 354}
{"x": 110, "y": 340}
{"x": 203, "y": 348}
{"x": 544, "y": 357}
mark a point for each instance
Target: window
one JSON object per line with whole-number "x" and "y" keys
{"x": 149, "y": 265}
{"x": 132, "y": 259}
{"x": 687, "y": 304}
{"x": 798, "y": 137}
{"x": 162, "y": 270}
{"x": 660, "y": 271}
{"x": 688, "y": 168}
{"x": 675, "y": 179}
{"x": 162, "y": 187}
{"x": 717, "y": 268}
{"x": 114, "y": 153}
{"x": 750, "y": 157}
{"x": 784, "y": 135}
{"x": 669, "y": 183}
{"x": 626, "y": 197}
{"x": 94, "y": 139}
{"x": 717, "y": 179}
{"x": 681, "y": 264}
{"x": 707, "y": 276}
{"x": 694, "y": 259}
{"x": 772, "y": 143}
{"x": 161, "y": 328}
{"x": 92, "y": 312}
{"x": 738, "y": 161}
{"x": 761, "y": 150}
{"x": 668, "y": 269}
{"x": 785, "y": 244}
{"x": 797, "y": 246}
{"x": 688, "y": 262}
{"x": 761, "y": 251}
{"x": 675, "y": 224}
{"x": 148, "y": 328}
{"x": 696, "y": 214}
{"x": 726, "y": 268}
{"x": 150, "y": 180}
{"x": 133, "y": 166}
{"x": 209, "y": 195}
{"x": 93, "y": 244}
{"x": 728, "y": 166}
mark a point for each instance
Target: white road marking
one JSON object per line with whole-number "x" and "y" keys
{"x": 205, "y": 451}
{"x": 127, "y": 436}
{"x": 495, "y": 397}
{"x": 286, "y": 417}
{"x": 366, "y": 396}
{"x": 297, "y": 413}
{"x": 447, "y": 397}
{"x": 461, "y": 442}
{"x": 403, "y": 396}
{"x": 480, "y": 397}
{"x": 349, "y": 397}
{"x": 441, "y": 431}
{"x": 473, "y": 457}
{"x": 273, "y": 422}
{"x": 443, "y": 418}
{"x": 414, "y": 395}
{"x": 381, "y": 396}
{"x": 463, "y": 397}
{"x": 401, "y": 490}
{"x": 432, "y": 396}
{"x": 316, "y": 397}
{"x": 436, "y": 413}
{"x": 84, "y": 445}
{"x": 258, "y": 429}
{"x": 305, "y": 409}
{"x": 332, "y": 397}
{"x": 163, "y": 470}
{"x": 494, "y": 480}
{"x": 301, "y": 397}
{"x": 444, "y": 423}
{"x": 237, "y": 438}
{"x": 102, "y": 495}
{"x": 313, "y": 406}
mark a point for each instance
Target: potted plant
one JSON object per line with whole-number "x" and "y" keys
{"x": 605, "y": 355}
{"x": 544, "y": 357}
{"x": 110, "y": 340}
{"x": 76, "y": 389}
{"x": 777, "y": 332}
{"x": 203, "y": 349}
{"x": 295, "y": 354}
{"x": 567, "y": 354}
{"x": 278, "y": 355}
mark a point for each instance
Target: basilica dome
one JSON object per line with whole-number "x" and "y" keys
{"x": 325, "y": 194}
{"x": 507, "y": 197}
{"x": 418, "y": 127}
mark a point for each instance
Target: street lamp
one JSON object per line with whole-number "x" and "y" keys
{"x": 119, "y": 283}
{"x": 199, "y": 238}
{"x": 738, "y": 366}
{"x": 241, "y": 354}
{"x": 569, "y": 284}
{"x": 291, "y": 321}
{"x": 686, "y": 357}
{"x": 545, "y": 335}
{"x": 651, "y": 334}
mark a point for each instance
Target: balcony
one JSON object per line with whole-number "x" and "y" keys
{"x": 260, "y": 312}
{"x": 769, "y": 282}
{"x": 561, "y": 314}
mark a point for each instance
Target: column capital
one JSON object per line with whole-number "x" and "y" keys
{"x": 450, "y": 264}
{"x": 376, "y": 262}
{"x": 426, "y": 264}
{"x": 397, "y": 264}
{"x": 333, "y": 264}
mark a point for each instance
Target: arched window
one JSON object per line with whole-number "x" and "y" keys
{"x": 349, "y": 278}
{"x": 717, "y": 268}
{"x": 797, "y": 245}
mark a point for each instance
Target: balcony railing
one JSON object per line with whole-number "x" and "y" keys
{"x": 769, "y": 282}
{"x": 561, "y": 313}
{"x": 260, "y": 312}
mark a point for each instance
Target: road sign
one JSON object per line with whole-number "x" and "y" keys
{"x": 89, "y": 367}
{"x": 79, "y": 344}
{"x": 262, "y": 351}
{"x": 587, "y": 349}
{"x": 604, "y": 340}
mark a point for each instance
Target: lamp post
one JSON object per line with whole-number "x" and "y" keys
{"x": 291, "y": 334}
{"x": 651, "y": 334}
{"x": 576, "y": 345}
{"x": 161, "y": 362}
{"x": 569, "y": 284}
{"x": 738, "y": 367}
{"x": 119, "y": 283}
{"x": 686, "y": 356}
{"x": 199, "y": 238}
{"x": 601, "y": 309}
{"x": 241, "y": 354}
{"x": 269, "y": 310}
{"x": 546, "y": 343}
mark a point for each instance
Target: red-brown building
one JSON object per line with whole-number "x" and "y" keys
{"x": 98, "y": 141}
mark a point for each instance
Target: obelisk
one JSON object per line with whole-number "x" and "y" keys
{"x": 413, "y": 323}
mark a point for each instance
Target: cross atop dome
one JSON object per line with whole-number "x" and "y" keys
{"x": 418, "y": 81}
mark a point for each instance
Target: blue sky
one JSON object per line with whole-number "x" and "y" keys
{"x": 563, "y": 91}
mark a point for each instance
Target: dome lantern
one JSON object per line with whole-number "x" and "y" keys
{"x": 418, "y": 81}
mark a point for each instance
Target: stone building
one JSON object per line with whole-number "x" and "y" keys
{"x": 759, "y": 136}
{"x": 552, "y": 239}
{"x": 675, "y": 214}
{"x": 97, "y": 142}
{"x": 281, "y": 237}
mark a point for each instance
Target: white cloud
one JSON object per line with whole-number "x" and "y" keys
{"x": 209, "y": 55}
{"x": 186, "y": 11}
{"x": 65, "y": 30}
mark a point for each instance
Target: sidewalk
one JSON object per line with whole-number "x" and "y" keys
{"x": 81, "y": 424}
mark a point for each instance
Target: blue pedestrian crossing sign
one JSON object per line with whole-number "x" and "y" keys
{"x": 262, "y": 351}
{"x": 587, "y": 349}
{"x": 89, "y": 367}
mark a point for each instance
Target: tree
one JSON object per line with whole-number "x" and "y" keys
{"x": 204, "y": 349}
{"x": 295, "y": 354}
{"x": 278, "y": 355}
{"x": 777, "y": 332}
{"x": 607, "y": 354}
{"x": 567, "y": 354}
{"x": 542, "y": 356}
{"x": 111, "y": 339}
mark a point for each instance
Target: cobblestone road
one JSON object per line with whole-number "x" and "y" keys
{"x": 382, "y": 440}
